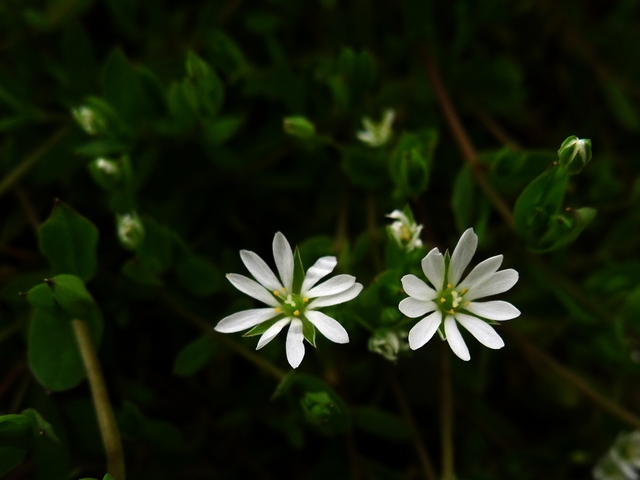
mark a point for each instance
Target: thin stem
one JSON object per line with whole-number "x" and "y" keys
{"x": 206, "y": 328}
{"x": 462, "y": 139}
{"x": 418, "y": 443}
{"x": 446, "y": 415}
{"x": 29, "y": 162}
{"x": 537, "y": 357}
{"x": 104, "y": 410}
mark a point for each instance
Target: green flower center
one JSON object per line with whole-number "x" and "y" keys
{"x": 291, "y": 304}
{"x": 450, "y": 300}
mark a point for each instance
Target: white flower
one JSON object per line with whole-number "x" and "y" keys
{"x": 86, "y": 118}
{"x": 377, "y": 134}
{"x": 288, "y": 305}
{"x": 405, "y": 231}
{"x": 454, "y": 302}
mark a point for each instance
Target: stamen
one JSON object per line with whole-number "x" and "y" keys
{"x": 449, "y": 285}
{"x": 464, "y": 290}
{"x": 305, "y": 300}
{"x": 451, "y": 311}
{"x": 467, "y": 303}
{"x": 442, "y": 300}
{"x": 276, "y": 293}
{"x": 297, "y": 312}
{"x": 277, "y": 309}
{"x": 283, "y": 289}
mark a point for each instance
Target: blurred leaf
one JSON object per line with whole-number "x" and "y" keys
{"x": 72, "y": 295}
{"x": 202, "y": 88}
{"x": 411, "y": 161}
{"x": 10, "y": 458}
{"x": 622, "y": 107}
{"x": 381, "y": 424}
{"x": 17, "y": 431}
{"x": 69, "y": 241}
{"x": 222, "y": 129}
{"x": 194, "y": 356}
{"x": 198, "y": 276}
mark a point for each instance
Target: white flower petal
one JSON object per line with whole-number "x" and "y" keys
{"x": 333, "y": 286}
{"x": 260, "y": 270}
{"x": 283, "y": 257}
{"x": 480, "y": 271}
{"x": 456, "y": 342}
{"x": 481, "y": 330}
{"x": 328, "y": 326}
{"x": 414, "y": 308}
{"x": 398, "y": 215}
{"x": 462, "y": 255}
{"x": 271, "y": 332}
{"x": 492, "y": 284}
{"x": 433, "y": 268}
{"x": 422, "y": 331}
{"x": 252, "y": 288}
{"x": 244, "y": 320}
{"x": 418, "y": 289}
{"x": 295, "y": 345}
{"x": 494, "y": 310}
{"x": 323, "y": 267}
{"x": 342, "y": 297}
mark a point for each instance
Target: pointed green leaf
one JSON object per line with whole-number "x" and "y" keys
{"x": 69, "y": 241}
{"x": 262, "y": 327}
{"x": 309, "y": 331}
{"x": 71, "y": 294}
{"x": 43, "y": 427}
{"x": 298, "y": 271}
{"x": 194, "y": 356}
{"x": 17, "y": 431}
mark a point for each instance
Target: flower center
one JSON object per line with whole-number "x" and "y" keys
{"x": 291, "y": 305}
{"x": 405, "y": 233}
{"x": 451, "y": 300}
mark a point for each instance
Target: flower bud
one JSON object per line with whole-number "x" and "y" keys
{"x": 299, "y": 127}
{"x": 377, "y": 134}
{"x": 89, "y": 119}
{"x": 107, "y": 173}
{"x": 574, "y": 154}
{"x": 130, "y": 230}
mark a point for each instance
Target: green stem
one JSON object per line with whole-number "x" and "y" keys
{"x": 29, "y": 162}
{"x": 206, "y": 328}
{"x": 104, "y": 410}
{"x": 446, "y": 416}
{"x": 538, "y": 357}
{"x": 421, "y": 450}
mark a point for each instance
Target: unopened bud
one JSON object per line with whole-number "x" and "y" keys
{"x": 574, "y": 154}
{"x": 130, "y": 230}
{"x": 405, "y": 231}
{"x": 88, "y": 119}
{"x": 299, "y": 127}
{"x": 107, "y": 173}
{"x": 388, "y": 343}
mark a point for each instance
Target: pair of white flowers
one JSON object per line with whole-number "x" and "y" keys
{"x": 294, "y": 300}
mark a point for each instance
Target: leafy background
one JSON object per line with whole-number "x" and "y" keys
{"x": 191, "y": 99}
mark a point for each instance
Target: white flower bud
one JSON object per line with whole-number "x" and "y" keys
{"x": 130, "y": 230}
{"x": 377, "y": 134}
{"x": 574, "y": 154}
{"x": 405, "y": 231}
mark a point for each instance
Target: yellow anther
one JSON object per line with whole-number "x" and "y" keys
{"x": 305, "y": 300}
{"x": 283, "y": 289}
{"x": 276, "y": 293}
{"x": 297, "y": 312}
{"x": 451, "y": 311}
{"x": 467, "y": 303}
{"x": 449, "y": 285}
{"x": 442, "y": 300}
{"x": 277, "y": 309}
{"x": 464, "y": 290}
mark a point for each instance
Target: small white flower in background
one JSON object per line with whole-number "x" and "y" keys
{"x": 86, "y": 118}
{"x": 377, "y": 134}
{"x": 108, "y": 167}
{"x": 388, "y": 343}
{"x": 292, "y": 301}
{"x": 405, "y": 231}
{"x": 622, "y": 461}
{"x": 130, "y": 230}
{"x": 452, "y": 302}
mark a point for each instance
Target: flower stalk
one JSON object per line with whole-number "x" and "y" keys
{"x": 104, "y": 411}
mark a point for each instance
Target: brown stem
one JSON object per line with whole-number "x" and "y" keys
{"x": 538, "y": 357}
{"x": 446, "y": 415}
{"x": 418, "y": 443}
{"x": 104, "y": 410}
{"x": 462, "y": 139}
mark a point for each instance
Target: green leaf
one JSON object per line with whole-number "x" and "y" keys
{"x": 194, "y": 356}
{"x": 17, "y": 431}
{"x": 262, "y": 327}
{"x": 202, "y": 88}
{"x": 53, "y": 352}
{"x": 41, "y": 297}
{"x": 10, "y": 458}
{"x": 222, "y": 129}
{"x": 69, "y": 241}
{"x": 136, "y": 270}
{"x": 411, "y": 161}
{"x": 382, "y": 424}
{"x": 298, "y": 271}
{"x": 72, "y": 295}
{"x": 621, "y": 107}
{"x": 322, "y": 406}
{"x": 470, "y": 208}
{"x": 198, "y": 276}
{"x": 43, "y": 427}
